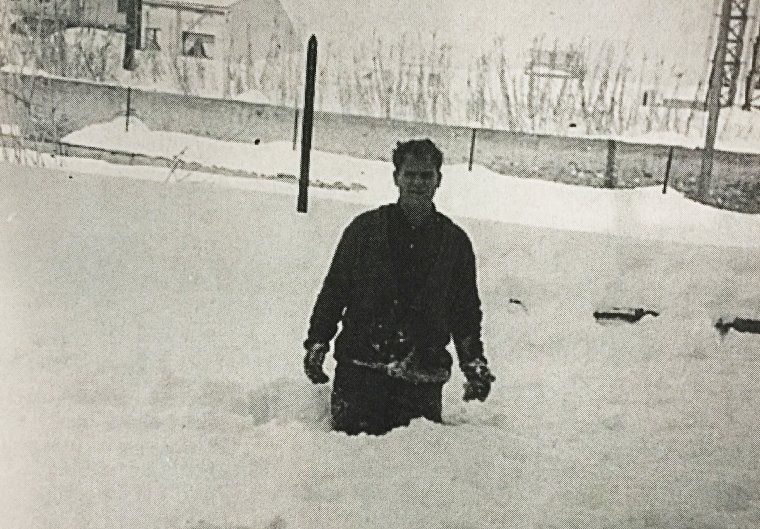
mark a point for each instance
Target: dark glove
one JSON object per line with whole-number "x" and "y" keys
{"x": 312, "y": 362}
{"x": 479, "y": 379}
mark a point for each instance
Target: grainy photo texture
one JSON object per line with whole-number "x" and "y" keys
{"x": 279, "y": 264}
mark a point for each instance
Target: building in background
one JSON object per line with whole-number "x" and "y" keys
{"x": 217, "y": 30}
{"x": 227, "y": 31}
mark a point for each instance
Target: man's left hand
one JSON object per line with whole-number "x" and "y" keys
{"x": 479, "y": 380}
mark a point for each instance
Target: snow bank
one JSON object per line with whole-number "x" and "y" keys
{"x": 643, "y": 212}
{"x": 25, "y": 70}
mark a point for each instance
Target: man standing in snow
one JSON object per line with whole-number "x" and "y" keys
{"x": 402, "y": 283}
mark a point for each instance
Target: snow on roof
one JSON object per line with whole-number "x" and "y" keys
{"x": 193, "y": 4}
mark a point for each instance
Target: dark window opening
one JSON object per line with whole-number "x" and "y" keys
{"x": 151, "y": 39}
{"x": 197, "y": 45}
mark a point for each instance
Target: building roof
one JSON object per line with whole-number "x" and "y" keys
{"x": 193, "y": 4}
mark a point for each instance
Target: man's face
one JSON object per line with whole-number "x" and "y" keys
{"x": 417, "y": 179}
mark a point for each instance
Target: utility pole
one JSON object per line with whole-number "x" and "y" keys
{"x": 732, "y": 65}
{"x": 714, "y": 99}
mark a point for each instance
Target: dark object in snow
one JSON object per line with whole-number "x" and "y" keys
{"x": 738, "y": 324}
{"x": 624, "y": 314}
{"x": 667, "y": 170}
{"x": 515, "y": 305}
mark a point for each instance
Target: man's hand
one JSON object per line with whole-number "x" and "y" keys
{"x": 312, "y": 362}
{"x": 479, "y": 379}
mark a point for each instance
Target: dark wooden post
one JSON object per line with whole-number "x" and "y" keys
{"x": 472, "y": 148}
{"x": 667, "y": 170}
{"x": 308, "y": 124}
{"x": 295, "y": 130}
{"x": 609, "y": 172}
{"x": 129, "y": 107}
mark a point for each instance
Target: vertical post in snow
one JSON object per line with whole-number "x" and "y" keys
{"x": 295, "y": 130}
{"x": 308, "y": 124}
{"x": 472, "y": 148}
{"x": 609, "y": 172}
{"x": 129, "y": 106}
{"x": 667, "y": 170}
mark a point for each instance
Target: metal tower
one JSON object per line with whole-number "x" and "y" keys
{"x": 734, "y": 28}
{"x": 752, "y": 89}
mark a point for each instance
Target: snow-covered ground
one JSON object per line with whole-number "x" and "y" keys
{"x": 150, "y": 359}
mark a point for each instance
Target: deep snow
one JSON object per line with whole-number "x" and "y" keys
{"x": 151, "y": 361}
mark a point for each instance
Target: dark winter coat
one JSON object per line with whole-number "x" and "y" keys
{"x": 361, "y": 290}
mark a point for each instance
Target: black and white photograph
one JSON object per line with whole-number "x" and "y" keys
{"x": 282, "y": 264}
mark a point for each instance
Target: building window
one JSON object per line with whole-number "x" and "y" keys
{"x": 197, "y": 45}
{"x": 151, "y": 39}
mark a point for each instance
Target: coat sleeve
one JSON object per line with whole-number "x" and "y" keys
{"x": 336, "y": 290}
{"x": 467, "y": 315}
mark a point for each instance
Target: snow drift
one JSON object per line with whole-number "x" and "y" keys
{"x": 151, "y": 366}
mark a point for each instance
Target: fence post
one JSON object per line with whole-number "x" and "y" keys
{"x": 609, "y": 172}
{"x": 308, "y": 124}
{"x": 56, "y": 135}
{"x": 295, "y": 130}
{"x": 472, "y": 147}
{"x": 129, "y": 106}
{"x": 667, "y": 170}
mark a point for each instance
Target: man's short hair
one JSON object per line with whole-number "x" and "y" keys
{"x": 420, "y": 148}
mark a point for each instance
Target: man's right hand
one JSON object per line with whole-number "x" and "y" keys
{"x": 312, "y": 362}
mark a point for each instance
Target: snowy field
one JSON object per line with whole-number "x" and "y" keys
{"x": 150, "y": 357}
